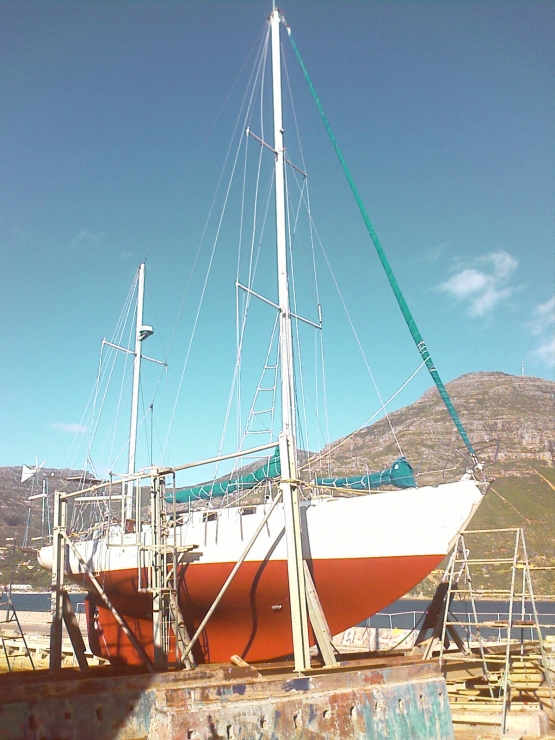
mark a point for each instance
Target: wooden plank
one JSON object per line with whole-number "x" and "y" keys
{"x": 318, "y": 620}
{"x": 72, "y": 626}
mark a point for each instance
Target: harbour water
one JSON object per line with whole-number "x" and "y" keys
{"x": 402, "y": 614}
{"x": 40, "y": 602}
{"x": 408, "y": 614}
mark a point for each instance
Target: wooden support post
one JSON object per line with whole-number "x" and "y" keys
{"x": 434, "y": 619}
{"x": 295, "y": 562}
{"x": 74, "y": 632}
{"x": 117, "y": 616}
{"x": 318, "y": 620}
{"x": 434, "y": 613}
{"x": 182, "y": 638}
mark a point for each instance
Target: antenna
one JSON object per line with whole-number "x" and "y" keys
{"x": 29, "y": 472}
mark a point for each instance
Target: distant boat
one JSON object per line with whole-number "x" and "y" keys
{"x": 365, "y": 545}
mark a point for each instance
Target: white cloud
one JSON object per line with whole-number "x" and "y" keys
{"x": 484, "y": 283}
{"x": 543, "y": 326}
{"x": 69, "y": 428}
{"x": 544, "y": 316}
{"x": 546, "y": 352}
{"x": 86, "y": 240}
{"x": 434, "y": 254}
{"x": 504, "y": 265}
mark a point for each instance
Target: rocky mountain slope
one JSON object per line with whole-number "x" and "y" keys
{"x": 509, "y": 419}
{"x": 25, "y": 523}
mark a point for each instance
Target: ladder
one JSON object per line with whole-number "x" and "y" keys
{"x": 504, "y": 664}
{"x": 11, "y": 637}
{"x": 158, "y": 575}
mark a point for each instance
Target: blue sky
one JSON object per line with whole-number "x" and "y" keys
{"x": 115, "y": 120}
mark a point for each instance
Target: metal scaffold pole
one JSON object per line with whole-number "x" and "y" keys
{"x": 57, "y": 584}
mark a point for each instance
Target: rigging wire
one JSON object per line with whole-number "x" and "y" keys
{"x": 90, "y": 409}
{"x": 328, "y": 452}
{"x": 211, "y": 258}
{"x": 319, "y": 338}
{"x": 122, "y": 384}
{"x": 383, "y": 406}
{"x": 255, "y": 244}
{"x": 95, "y": 509}
{"x": 112, "y": 355}
{"x": 200, "y": 150}
{"x": 253, "y": 264}
{"x": 201, "y": 242}
{"x": 103, "y": 382}
{"x": 303, "y": 428}
{"x": 407, "y": 315}
{"x": 240, "y": 331}
{"x": 94, "y": 415}
{"x": 236, "y": 383}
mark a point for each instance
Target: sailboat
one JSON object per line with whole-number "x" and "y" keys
{"x": 205, "y": 584}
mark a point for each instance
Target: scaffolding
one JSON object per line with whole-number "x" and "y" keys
{"x": 510, "y": 667}
{"x": 12, "y": 636}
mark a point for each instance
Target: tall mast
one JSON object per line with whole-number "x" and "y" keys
{"x": 286, "y": 348}
{"x": 141, "y": 333}
{"x": 295, "y": 563}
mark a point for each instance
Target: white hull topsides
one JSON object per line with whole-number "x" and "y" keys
{"x": 398, "y": 523}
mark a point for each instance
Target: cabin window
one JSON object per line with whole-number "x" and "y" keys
{"x": 248, "y": 510}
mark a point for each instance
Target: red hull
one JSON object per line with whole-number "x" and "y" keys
{"x": 253, "y": 619}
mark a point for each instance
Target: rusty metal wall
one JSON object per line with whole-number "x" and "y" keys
{"x": 351, "y": 702}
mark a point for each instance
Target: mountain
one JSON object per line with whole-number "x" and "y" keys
{"x": 509, "y": 419}
{"x": 24, "y": 522}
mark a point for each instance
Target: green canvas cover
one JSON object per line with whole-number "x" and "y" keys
{"x": 272, "y": 469}
{"x": 400, "y": 475}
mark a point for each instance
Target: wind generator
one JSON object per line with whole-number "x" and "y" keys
{"x": 31, "y": 473}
